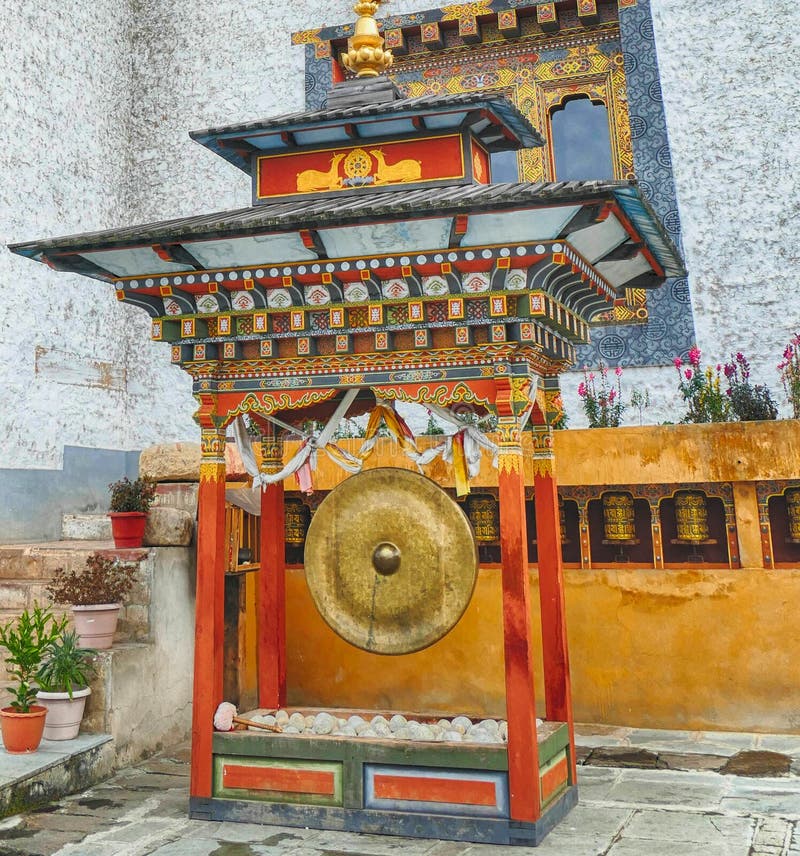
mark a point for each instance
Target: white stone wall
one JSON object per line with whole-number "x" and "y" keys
{"x": 100, "y": 98}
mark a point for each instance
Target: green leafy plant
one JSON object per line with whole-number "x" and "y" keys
{"x": 137, "y": 495}
{"x": 789, "y": 368}
{"x": 702, "y": 390}
{"x": 66, "y": 666}
{"x": 601, "y": 397}
{"x": 641, "y": 401}
{"x": 749, "y": 403}
{"x": 26, "y": 639}
{"x": 104, "y": 580}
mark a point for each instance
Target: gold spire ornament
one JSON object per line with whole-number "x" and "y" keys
{"x": 366, "y": 56}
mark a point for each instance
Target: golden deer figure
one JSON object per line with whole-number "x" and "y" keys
{"x": 314, "y": 179}
{"x": 404, "y": 170}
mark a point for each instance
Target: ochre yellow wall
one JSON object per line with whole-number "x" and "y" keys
{"x": 651, "y": 648}
{"x": 659, "y": 649}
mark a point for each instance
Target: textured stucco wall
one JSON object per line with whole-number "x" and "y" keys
{"x": 101, "y": 97}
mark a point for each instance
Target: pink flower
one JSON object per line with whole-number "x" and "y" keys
{"x": 582, "y": 389}
{"x": 677, "y": 362}
{"x": 694, "y": 355}
{"x": 719, "y": 367}
{"x": 688, "y": 373}
{"x": 612, "y": 395}
{"x": 591, "y": 376}
{"x": 730, "y": 370}
{"x": 788, "y": 353}
{"x": 618, "y": 371}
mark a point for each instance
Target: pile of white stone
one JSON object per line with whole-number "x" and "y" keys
{"x": 461, "y": 729}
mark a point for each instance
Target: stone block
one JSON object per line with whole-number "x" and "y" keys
{"x": 757, "y": 763}
{"x": 171, "y": 462}
{"x": 86, "y": 527}
{"x": 181, "y": 495}
{"x": 168, "y": 527}
{"x": 623, "y": 756}
{"x": 14, "y": 596}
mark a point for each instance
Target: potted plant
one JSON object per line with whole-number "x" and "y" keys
{"x": 63, "y": 678}
{"x": 26, "y": 638}
{"x": 130, "y": 502}
{"x": 95, "y": 595}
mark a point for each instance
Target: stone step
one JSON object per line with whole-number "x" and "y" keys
{"x": 86, "y": 527}
{"x": 57, "y": 768}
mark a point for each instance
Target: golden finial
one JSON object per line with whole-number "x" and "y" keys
{"x": 366, "y": 56}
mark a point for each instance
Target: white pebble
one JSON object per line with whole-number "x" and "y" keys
{"x": 382, "y": 729}
{"x": 403, "y": 733}
{"x": 461, "y": 724}
{"x": 378, "y": 720}
{"x": 355, "y": 721}
{"x": 503, "y": 729}
{"x": 397, "y": 722}
{"x": 444, "y": 723}
{"x": 452, "y": 737}
{"x": 324, "y": 723}
{"x": 291, "y": 729}
{"x": 368, "y": 732}
{"x": 298, "y": 721}
{"x": 281, "y": 718}
{"x": 490, "y": 725}
{"x": 361, "y": 727}
{"x": 342, "y": 722}
{"x": 310, "y": 721}
{"x": 424, "y": 732}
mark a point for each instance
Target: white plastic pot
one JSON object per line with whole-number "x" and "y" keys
{"x": 96, "y": 624}
{"x": 64, "y": 714}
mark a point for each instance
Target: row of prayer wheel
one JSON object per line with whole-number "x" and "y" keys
{"x": 483, "y": 511}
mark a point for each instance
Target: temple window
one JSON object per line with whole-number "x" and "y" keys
{"x": 580, "y": 140}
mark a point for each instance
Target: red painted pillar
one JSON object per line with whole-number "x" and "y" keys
{"x": 271, "y": 593}
{"x": 209, "y": 631}
{"x": 555, "y": 654}
{"x": 523, "y": 747}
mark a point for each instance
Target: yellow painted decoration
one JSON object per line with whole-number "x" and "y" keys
{"x": 396, "y": 173}
{"x": 310, "y": 180}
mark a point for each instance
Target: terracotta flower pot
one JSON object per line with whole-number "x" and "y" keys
{"x": 127, "y": 528}
{"x": 22, "y": 732}
{"x": 64, "y": 714}
{"x": 96, "y": 624}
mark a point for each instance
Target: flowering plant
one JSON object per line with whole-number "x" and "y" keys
{"x": 702, "y": 390}
{"x": 789, "y": 367}
{"x": 601, "y": 397}
{"x": 749, "y": 403}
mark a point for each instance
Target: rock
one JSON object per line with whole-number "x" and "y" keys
{"x": 171, "y": 462}
{"x": 168, "y": 527}
{"x": 361, "y": 727}
{"x": 281, "y": 718}
{"x": 452, "y": 737}
{"x": 461, "y": 724}
{"x": 181, "y": 495}
{"x": 503, "y": 729}
{"x": 377, "y": 720}
{"x": 324, "y": 723}
{"x": 291, "y": 729}
{"x": 403, "y": 733}
{"x": 397, "y": 722}
{"x": 382, "y": 729}
{"x": 490, "y": 725}
{"x": 298, "y": 721}
{"x": 355, "y": 720}
{"x": 424, "y": 732}
{"x": 309, "y": 722}
{"x": 757, "y": 763}
{"x": 368, "y": 732}
{"x": 346, "y": 731}
{"x": 268, "y": 719}
{"x": 444, "y": 723}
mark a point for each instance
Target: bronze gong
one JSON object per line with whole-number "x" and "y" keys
{"x": 390, "y": 561}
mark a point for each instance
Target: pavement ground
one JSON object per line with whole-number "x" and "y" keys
{"x": 622, "y": 812}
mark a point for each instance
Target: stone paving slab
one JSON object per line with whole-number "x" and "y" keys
{"x": 13, "y": 768}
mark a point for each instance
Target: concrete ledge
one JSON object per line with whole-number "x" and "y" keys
{"x": 58, "y": 768}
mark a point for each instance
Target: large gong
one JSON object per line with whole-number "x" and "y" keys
{"x": 390, "y": 561}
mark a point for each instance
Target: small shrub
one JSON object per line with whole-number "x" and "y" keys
{"x": 601, "y": 398}
{"x": 789, "y": 368}
{"x": 66, "y": 666}
{"x": 104, "y": 580}
{"x": 127, "y": 495}
{"x": 749, "y": 403}
{"x": 702, "y": 390}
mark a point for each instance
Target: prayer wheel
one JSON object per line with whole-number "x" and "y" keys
{"x": 793, "y": 510}
{"x": 484, "y": 515}
{"x": 618, "y": 517}
{"x": 691, "y": 515}
{"x": 296, "y": 517}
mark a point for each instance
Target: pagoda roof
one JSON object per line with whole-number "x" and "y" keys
{"x": 494, "y": 121}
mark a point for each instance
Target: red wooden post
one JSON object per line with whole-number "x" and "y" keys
{"x": 271, "y": 597}
{"x": 523, "y": 747}
{"x": 555, "y": 654}
{"x": 209, "y": 630}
